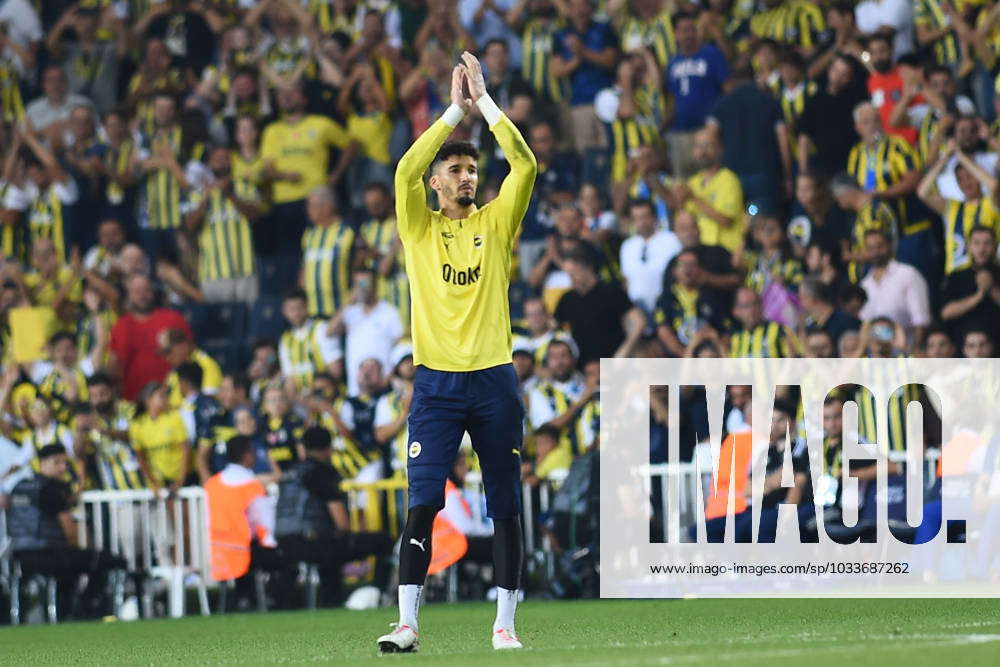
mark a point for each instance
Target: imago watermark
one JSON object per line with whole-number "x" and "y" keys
{"x": 815, "y": 477}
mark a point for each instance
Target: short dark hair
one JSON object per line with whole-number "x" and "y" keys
{"x": 316, "y": 439}
{"x": 381, "y": 186}
{"x": 240, "y": 380}
{"x": 819, "y": 289}
{"x": 785, "y": 406}
{"x": 191, "y": 372}
{"x": 548, "y": 430}
{"x": 681, "y": 16}
{"x": 979, "y": 229}
{"x": 878, "y": 37}
{"x": 794, "y": 59}
{"x": 48, "y": 451}
{"x": 937, "y": 69}
{"x": 237, "y": 447}
{"x": 581, "y": 255}
{"x": 100, "y": 378}
{"x": 493, "y": 42}
{"x": 264, "y": 341}
{"x": 454, "y": 149}
{"x": 644, "y": 203}
{"x": 60, "y": 336}
{"x": 297, "y": 294}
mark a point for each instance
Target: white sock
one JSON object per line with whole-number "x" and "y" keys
{"x": 409, "y": 604}
{"x": 506, "y": 605}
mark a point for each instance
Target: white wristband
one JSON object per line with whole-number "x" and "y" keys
{"x": 491, "y": 112}
{"x": 453, "y": 115}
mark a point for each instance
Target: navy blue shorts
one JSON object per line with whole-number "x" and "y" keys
{"x": 486, "y": 403}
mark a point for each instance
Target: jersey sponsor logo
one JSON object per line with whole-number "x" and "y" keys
{"x": 414, "y": 449}
{"x": 455, "y": 276}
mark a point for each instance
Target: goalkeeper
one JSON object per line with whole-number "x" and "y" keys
{"x": 458, "y": 261}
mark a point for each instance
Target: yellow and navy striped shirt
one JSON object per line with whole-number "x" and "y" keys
{"x": 225, "y": 244}
{"x": 47, "y": 219}
{"x": 13, "y": 239}
{"x": 560, "y": 402}
{"x": 928, "y": 14}
{"x": 55, "y": 389}
{"x": 640, "y": 129}
{"x": 116, "y": 161}
{"x": 301, "y": 354}
{"x": 793, "y": 22}
{"x": 959, "y": 219}
{"x": 394, "y": 288}
{"x": 326, "y": 267}
{"x": 537, "y": 46}
{"x": 762, "y": 270}
{"x": 902, "y": 396}
{"x": 766, "y": 340}
{"x": 925, "y": 135}
{"x": 876, "y": 214}
{"x": 117, "y": 465}
{"x": 160, "y": 206}
{"x": 878, "y": 167}
{"x": 793, "y": 103}
{"x": 11, "y": 102}
{"x": 656, "y": 33}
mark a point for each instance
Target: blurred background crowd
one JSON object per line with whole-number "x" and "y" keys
{"x": 198, "y": 230}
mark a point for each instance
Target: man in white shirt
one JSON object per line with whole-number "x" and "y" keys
{"x": 894, "y": 17}
{"x": 645, "y": 255}
{"x": 372, "y": 327}
{"x": 895, "y": 290}
{"x": 53, "y": 109}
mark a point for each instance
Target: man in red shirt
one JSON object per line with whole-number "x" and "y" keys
{"x": 134, "y": 349}
{"x": 886, "y": 84}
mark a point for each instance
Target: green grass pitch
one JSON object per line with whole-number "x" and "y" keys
{"x": 807, "y": 633}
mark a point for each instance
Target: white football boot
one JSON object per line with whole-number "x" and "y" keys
{"x": 504, "y": 639}
{"x": 403, "y": 639}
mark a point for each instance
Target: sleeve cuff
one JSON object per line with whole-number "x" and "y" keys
{"x": 453, "y": 115}
{"x": 491, "y": 112}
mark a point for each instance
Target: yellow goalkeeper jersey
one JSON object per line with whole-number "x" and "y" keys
{"x": 459, "y": 270}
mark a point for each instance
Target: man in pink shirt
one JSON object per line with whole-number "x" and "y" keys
{"x": 134, "y": 351}
{"x": 895, "y": 290}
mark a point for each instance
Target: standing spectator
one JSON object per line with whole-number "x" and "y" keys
{"x": 511, "y": 93}
{"x": 486, "y": 21}
{"x": 539, "y": 22}
{"x": 558, "y": 400}
{"x": 296, "y": 152}
{"x": 715, "y": 262}
{"x": 103, "y": 257}
{"x": 557, "y": 177}
{"x": 646, "y": 24}
{"x": 357, "y": 421}
{"x": 895, "y": 290}
{"x": 771, "y": 262}
{"x": 383, "y": 249}
{"x": 49, "y": 114}
{"x": 961, "y": 217}
{"x": 870, "y": 212}
{"x": 714, "y": 195}
{"x": 281, "y": 428}
{"x": 160, "y": 439}
{"x": 23, "y": 35}
{"x": 827, "y": 127}
{"x": 968, "y": 140}
{"x": 889, "y": 167}
{"x": 694, "y": 75}
{"x": 815, "y": 217}
{"x": 443, "y": 26}
{"x": 54, "y": 284}
{"x": 971, "y": 296}
{"x": 365, "y": 105}
{"x": 888, "y": 83}
{"x": 328, "y": 255}
{"x": 371, "y": 325}
{"x": 197, "y": 408}
{"x": 305, "y": 349}
{"x": 156, "y": 75}
{"x": 686, "y": 307}
{"x": 758, "y": 337}
{"x": 892, "y": 19}
{"x": 91, "y": 65}
{"x": 221, "y": 212}
{"x": 795, "y": 23}
{"x": 592, "y": 300}
{"x": 134, "y": 350}
{"x": 585, "y": 52}
{"x": 177, "y": 347}
{"x": 943, "y": 102}
{"x": 645, "y": 256}
{"x": 754, "y": 142}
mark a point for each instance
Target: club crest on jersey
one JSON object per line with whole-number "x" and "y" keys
{"x": 414, "y": 449}
{"x": 477, "y": 241}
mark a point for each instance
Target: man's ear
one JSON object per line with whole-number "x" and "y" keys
{"x": 433, "y": 181}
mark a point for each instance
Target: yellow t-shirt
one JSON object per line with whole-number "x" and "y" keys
{"x": 43, "y": 293}
{"x": 211, "y": 378}
{"x": 725, "y": 194}
{"x": 373, "y": 132}
{"x": 161, "y": 440}
{"x": 459, "y": 270}
{"x": 304, "y": 148}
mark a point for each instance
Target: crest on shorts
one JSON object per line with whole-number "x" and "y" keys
{"x": 414, "y": 449}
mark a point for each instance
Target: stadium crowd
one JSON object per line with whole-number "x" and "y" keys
{"x": 198, "y": 223}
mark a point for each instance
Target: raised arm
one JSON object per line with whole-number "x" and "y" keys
{"x": 411, "y": 197}
{"x": 515, "y": 191}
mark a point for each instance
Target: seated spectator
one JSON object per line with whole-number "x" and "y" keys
{"x": 357, "y": 422}
{"x": 393, "y": 410}
{"x": 717, "y": 272}
{"x": 44, "y": 534}
{"x": 160, "y": 439}
{"x": 196, "y": 407}
{"x": 264, "y": 369}
{"x": 540, "y": 329}
{"x": 600, "y": 225}
{"x": 592, "y": 300}
{"x": 771, "y": 261}
{"x": 53, "y": 284}
{"x": 938, "y": 344}
{"x": 976, "y": 208}
{"x": 549, "y": 275}
{"x": 645, "y": 255}
{"x": 687, "y": 306}
{"x": 370, "y": 326}
{"x": 823, "y": 263}
{"x": 109, "y": 461}
{"x": 817, "y": 302}
{"x": 895, "y": 290}
{"x": 240, "y": 519}
{"x": 816, "y": 218}
{"x": 177, "y": 347}
{"x": 977, "y": 344}
{"x": 971, "y": 296}
{"x": 870, "y": 212}
{"x": 313, "y": 524}
{"x": 757, "y": 337}
{"x": 881, "y": 338}
{"x": 305, "y": 349}
{"x": 43, "y": 429}
{"x": 552, "y": 455}
{"x": 245, "y": 425}
{"x": 134, "y": 337}
{"x": 62, "y": 380}
{"x": 819, "y": 345}
{"x": 104, "y": 256}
